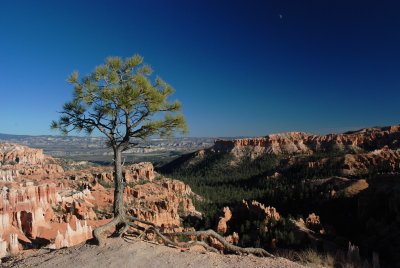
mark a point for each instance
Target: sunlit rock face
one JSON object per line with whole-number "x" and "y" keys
{"x": 72, "y": 237}
{"x": 162, "y": 202}
{"x": 305, "y": 143}
{"x": 27, "y": 207}
{"x": 132, "y": 173}
{"x": 19, "y": 161}
{"x": 222, "y": 224}
{"x": 14, "y": 154}
{"x": 267, "y": 213}
{"x": 39, "y": 201}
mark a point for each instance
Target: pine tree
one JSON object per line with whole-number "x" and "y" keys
{"x": 119, "y": 100}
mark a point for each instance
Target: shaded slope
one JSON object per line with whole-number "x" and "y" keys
{"x": 335, "y": 176}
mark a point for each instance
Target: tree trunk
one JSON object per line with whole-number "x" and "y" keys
{"x": 119, "y": 205}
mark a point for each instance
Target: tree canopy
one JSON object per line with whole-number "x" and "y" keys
{"x": 119, "y": 99}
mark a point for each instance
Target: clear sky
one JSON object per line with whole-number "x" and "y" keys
{"x": 240, "y": 68}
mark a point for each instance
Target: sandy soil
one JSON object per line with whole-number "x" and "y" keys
{"x": 118, "y": 253}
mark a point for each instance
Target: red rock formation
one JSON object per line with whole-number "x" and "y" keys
{"x": 73, "y": 237}
{"x": 313, "y": 223}
{"x": 83, "y": 211}
{"x": 222, "y": 226}
{"x": 233, "y": 238}
{"x": 298, "y": 142}
{"x": 132, "y": 173}
{"x": 78, "y": 203}
{"x": 162, "y": 202}
{"x": 177, "y": 186}
{"x": 25, "y": 208}
{"x": 262, "y": 212}
{"x": 354, "y": 164}
{"x": 130, "y": 191}
{"x": 14, "y": 245}
{"x": 8, "y": 175}
{"x": 12, "y": 154}
{"x": 31, "y": 207}
{"x": 36, "y": 210}
{"x": 17, "y": 160}
{"x": 3, "y": 248}
{"x": 143, "y": 170}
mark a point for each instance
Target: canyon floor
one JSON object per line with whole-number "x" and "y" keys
{"x": 119, "y": 253}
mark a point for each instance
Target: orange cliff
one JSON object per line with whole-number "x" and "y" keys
{"x": 299, "y": 142}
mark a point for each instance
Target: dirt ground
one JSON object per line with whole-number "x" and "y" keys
{"x": 119, "y": 253}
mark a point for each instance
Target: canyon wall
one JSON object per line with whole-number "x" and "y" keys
{"x": 305, "y": 143}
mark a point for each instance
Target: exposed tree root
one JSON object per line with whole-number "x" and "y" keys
{"x": 124, "y": 229}
{"x": 99, "y": 231}
{"x": 128, "y": 222}
{"x": 227, "y": 246}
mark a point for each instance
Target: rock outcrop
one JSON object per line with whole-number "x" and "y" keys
{"x": 12, "y": 154}
{"x": 132, "y": 173}
{"x": 78, "y": 202}
{"x": 386, "y": 159}
{"x": 260, "y": 211}
{"x": 3, "y": 248}
{"x": 14, "y": 245}
{"x": 135, "y": 172}
{"x": 313, "y": 223}
{"x": 73, "y": 237}
{"x": 163, "y": 203}
{"x": 233, "y": 238}
{"x": 17, "y": 160}
{"x": 222, "y": 226}
{"x": 29, "y": 210}
{"x": 26, "y": 208}
{"x": 12, "y": 248}
{"x": 7, "y": 175}
{"x": 305, "y": 143}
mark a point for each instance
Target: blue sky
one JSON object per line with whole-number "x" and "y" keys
{"x": 240, "y": 68}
